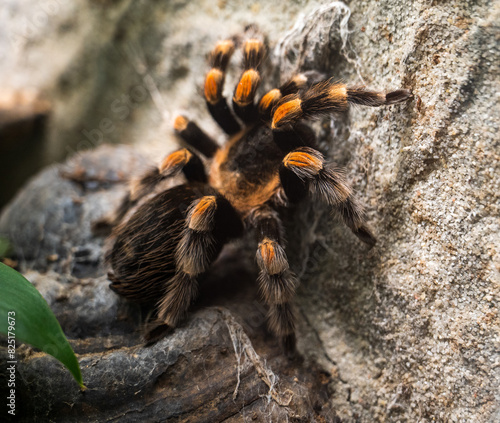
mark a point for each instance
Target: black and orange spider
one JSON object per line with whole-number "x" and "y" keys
{"x": 269, "y": 162}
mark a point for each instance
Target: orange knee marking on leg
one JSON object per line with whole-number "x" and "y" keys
{"x": 135, "y": 189}
{"x": 221, "y": 54}
{"x": 300, "y": 80}
{"x": 180, "y": 123}
{"x": 201, "y": 217}
{"x": 205, "y": 203}
{"x": 287, "y": 113}
{"x": 268, "y": 255}
{"x": 267, "y": 101}
{"x": 224, "y": 48}
{"x": 301, "y": 159}
{"x": 253, "y": 46}
{"x": 175, "y": 160}
{"x": 246, "y": 88}
{"x": 338, "y": 94}
{"x": 267, "y": 251}
{"x": 213, "y": 85}
{"x": 271, "y": 257}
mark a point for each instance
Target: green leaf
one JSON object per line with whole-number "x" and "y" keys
{"x": 35, "y": 323}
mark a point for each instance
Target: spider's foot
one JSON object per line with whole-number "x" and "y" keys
{"x": 288, "y": 343}
{"x": 364, "y": 234}
{"x": 102, "y": 227}
{"x": 156, "y": 331}
{"x": 398, "y": 96}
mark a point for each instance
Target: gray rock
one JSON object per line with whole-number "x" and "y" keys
{"x": 53, "y": 231}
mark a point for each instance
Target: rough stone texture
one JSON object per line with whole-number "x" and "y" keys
{"x": 71, "y": 198}
{"x": 405, "y": 332}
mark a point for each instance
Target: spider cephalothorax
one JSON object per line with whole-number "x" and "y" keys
{"x": 269, "y": 162}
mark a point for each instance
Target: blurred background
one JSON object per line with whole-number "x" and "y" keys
{"x": 79, "y": 74}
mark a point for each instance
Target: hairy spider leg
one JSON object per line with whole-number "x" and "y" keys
{"x": 305, "y": 171}
{"x": 195, "y": 137}
{"x": 276, "y": 282}
{"x": 142, "y": 257}
{"x": 269, "y": 100}
{"x": 214, "y": 84}
{"x": 328, "y": 97}
{"x": 182, "y": 160}
{"x": 211, "y": 221}
{"x": 244, "y": 93}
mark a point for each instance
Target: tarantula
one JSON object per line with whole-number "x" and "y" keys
{"x": 269, "y": 162}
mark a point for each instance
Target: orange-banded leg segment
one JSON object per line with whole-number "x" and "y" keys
{"x": 269, "y": 100}
{"x": 195, "y": 137}
{"x": 276, "y": 282}
{"x": 328, "y": 97}
{"x": 210, "y": 222}
{"x": 214, "y": 84}
{"x": 244, "y": 94}
{"x": 305, "y": 171}
{"x": 182, "y": 160}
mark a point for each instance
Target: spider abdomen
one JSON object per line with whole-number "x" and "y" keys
{"x": 143, "y": 255}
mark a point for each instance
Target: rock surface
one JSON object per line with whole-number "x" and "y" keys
{"x": 405, "y": 332}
